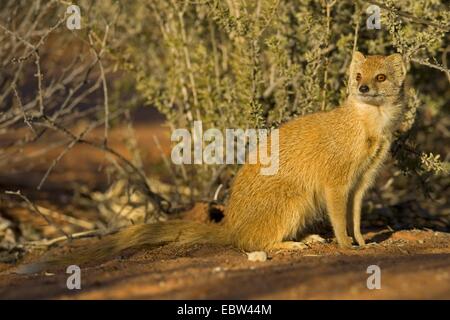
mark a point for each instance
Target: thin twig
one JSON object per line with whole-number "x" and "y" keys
{"x": 431, "y": 65}
{"x": 159, "y": 202}
{"x": 36, "y": 209}
{"x": 103, "y": 78}
{"x": 409, "y": 16}
{"x": 78, "y": 235}
{"x": 329, "y": 6}
{"x": 19, "y": 101}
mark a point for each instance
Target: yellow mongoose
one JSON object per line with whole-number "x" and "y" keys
{"x": 327, "y": 160}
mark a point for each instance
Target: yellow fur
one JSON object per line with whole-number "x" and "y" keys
{"x": 327, "y": 161}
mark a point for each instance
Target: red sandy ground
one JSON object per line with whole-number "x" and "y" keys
{"x": 414, "y": 264}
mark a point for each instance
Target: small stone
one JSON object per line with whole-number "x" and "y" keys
{"x": 260, "y": 256}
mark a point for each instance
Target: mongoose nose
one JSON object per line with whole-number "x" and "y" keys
{"x": 364, "y": 89}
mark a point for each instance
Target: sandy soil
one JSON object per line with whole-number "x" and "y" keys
{"x": 414, "y": 265}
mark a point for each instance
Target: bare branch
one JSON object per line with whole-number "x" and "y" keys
{"x": 34, "y": 208}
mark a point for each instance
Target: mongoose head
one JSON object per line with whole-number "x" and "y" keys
{"x": 376, "y": 80}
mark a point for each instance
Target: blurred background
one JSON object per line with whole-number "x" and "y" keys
{"x": 86, "y": 114}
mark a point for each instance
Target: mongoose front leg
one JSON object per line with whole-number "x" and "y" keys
{"x": 357, "y": 203}
{"x": 336, "y": 202}
{"x": 364, "y": 184}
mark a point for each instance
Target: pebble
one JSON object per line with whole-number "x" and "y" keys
{"x": 259, "y": 256}
{"x": 217, "y": 269}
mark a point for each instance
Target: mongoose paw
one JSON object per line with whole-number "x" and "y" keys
{"x": 371, "y": 244}
{"x": 313, "y": 238}
{"x": 345, "y": 243}
{"x": 290, "y": 246}
{"x": 360, "y": 240}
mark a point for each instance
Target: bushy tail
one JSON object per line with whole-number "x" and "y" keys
{"x": 180, "y": 231}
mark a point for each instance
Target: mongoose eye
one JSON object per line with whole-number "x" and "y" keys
{"x": 381, "y": 77}
{"x": 358, "y": 76}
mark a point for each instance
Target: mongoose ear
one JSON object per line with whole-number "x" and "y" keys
{"x": 357, "y": 59}
{"x": 396, "y": 62}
